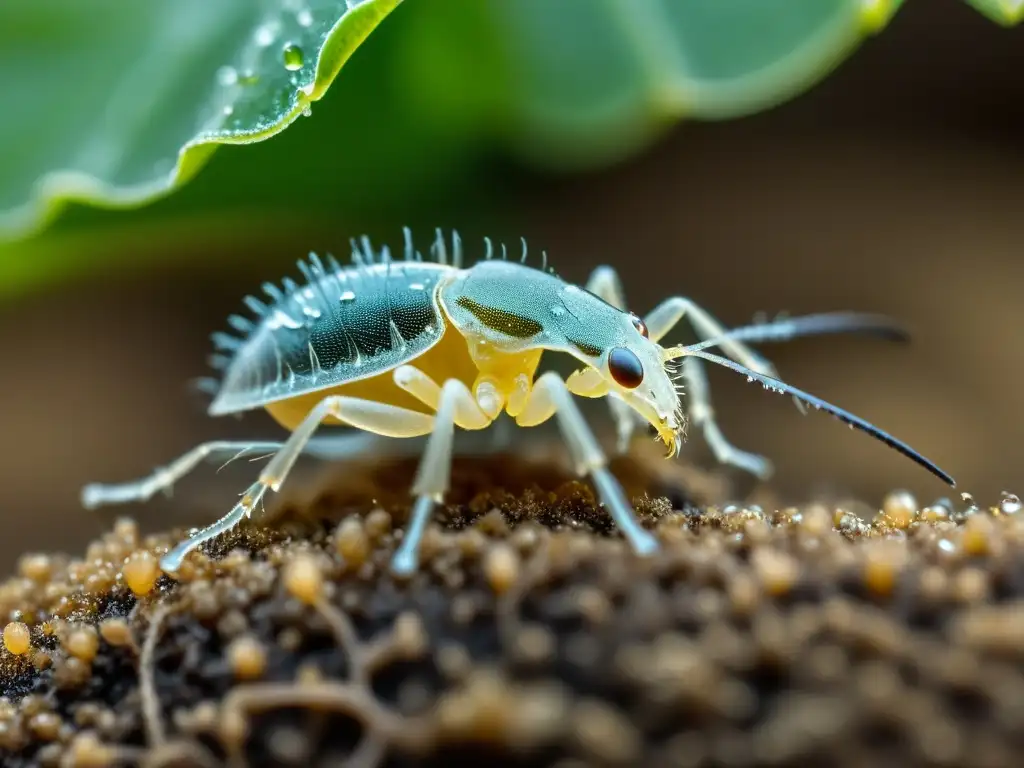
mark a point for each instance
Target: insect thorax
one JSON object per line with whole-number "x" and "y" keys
{"x": 517, "y": 308}
{"x": 343, "y": 325}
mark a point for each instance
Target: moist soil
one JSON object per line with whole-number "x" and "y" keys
{"x": 826, "y": 634}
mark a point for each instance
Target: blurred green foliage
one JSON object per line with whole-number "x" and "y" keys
{"x": 117, "y": 104}
{"x": 1005, "y": 12}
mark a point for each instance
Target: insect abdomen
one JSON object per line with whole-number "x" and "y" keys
{"x": 343, "y": 325}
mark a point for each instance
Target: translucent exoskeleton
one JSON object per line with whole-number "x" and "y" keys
{"x": 417, "y": 347}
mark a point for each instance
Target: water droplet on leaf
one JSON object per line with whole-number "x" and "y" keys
{"x": 292, "y": 57}
{"x": 227, "y": 76}
{"x": 265, "y": 35}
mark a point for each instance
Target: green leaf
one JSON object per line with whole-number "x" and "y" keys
{"x": 408, "y": 133}
{"x": 597, "y": 79}
{"x": 1005, "y": 12}
{"x": 117, "y": 103}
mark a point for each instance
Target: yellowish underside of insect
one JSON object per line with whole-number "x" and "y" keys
{"x": 450, "y": 358}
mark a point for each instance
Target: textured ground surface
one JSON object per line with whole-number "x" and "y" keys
{"x": 786, "y": 637}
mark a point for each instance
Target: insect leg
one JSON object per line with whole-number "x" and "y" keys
{"x": 659, "y": 322}
{"x": 605, "y": 283}
{"x": 550, "y": 397}
{"x": 341, "y": 446}
{"x": 434, "y": 473}
{"x": 467, "y": 415}
{"x": 163, "y": 479}
{"x": 702, "y": 415}
{"x": 379, "y": 418}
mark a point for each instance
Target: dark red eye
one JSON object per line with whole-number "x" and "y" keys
{"x": 640, "y": 326}
{"x": 625, "y": 368}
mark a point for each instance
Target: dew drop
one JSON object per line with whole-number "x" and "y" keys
{"x": 1010, "y": 504}
{"x": 227, "y": 76}
{"x": 416, "y": 286}
{"x": 304, "y": 17}
{"x": 307, "y": 110}
{"x": 557, "y": 310}
{"x": 265, "y": 35}
{"x": 292, "y": 57}
{"x": 347, "y": 296}
{"x": 248, "y": 77}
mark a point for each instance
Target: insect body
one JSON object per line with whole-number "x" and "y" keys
{"x": 406, "y": 348}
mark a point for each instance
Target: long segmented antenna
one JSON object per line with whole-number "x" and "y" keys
{"x": 846, "y": 417}
{"x": 821, "y": 324}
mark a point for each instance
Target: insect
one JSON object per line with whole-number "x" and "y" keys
{"x": 416, "y": 347}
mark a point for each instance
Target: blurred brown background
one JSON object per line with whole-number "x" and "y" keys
{"x": 893, "y": 186}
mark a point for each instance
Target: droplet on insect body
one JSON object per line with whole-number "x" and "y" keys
{"x": 557, "y": 310}
{"x": 282, "y": 320}
{"x": 293, "y": 57}
{"x": 347, "y": 296}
